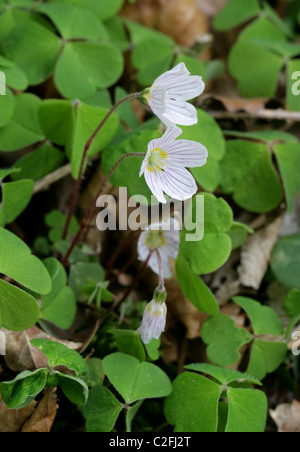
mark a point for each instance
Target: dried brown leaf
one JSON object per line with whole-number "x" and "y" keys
{"x": 43, "y": 415}
{"x": 22, "y": 355}
{"x": 12, "y": 421}
{"x": 256, "y": 254}
{"x": 287, "y": 417}
{"x": 181, "y": 19}
{"x": 211, "y": 7}
{"x": 233, "y": 104}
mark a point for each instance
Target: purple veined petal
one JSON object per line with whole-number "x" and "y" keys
{"x": 180, "y": 69}
{"x": 154, "y": 144}
{"x": 187, "y": 153}
{"x": 187, "y": 88}
{"x": 170, "y": 249}
{"x": 144, "y": 165}
{"x": 153, "y": 321}
{"x": 180, "y": 112}
{"x": 142, "y": 248}
{"x": 168, "y": 235}
{"x": 153, "y": 182}
{"x": 178, "y": 183}
{"x": 156, "y": 99}
{"x": 169, "y": 136}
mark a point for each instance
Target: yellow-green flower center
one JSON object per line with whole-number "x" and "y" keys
{"x": 156, "y": 159}
{"x": 155, "y": 239}
{"x": 146, "y": 95}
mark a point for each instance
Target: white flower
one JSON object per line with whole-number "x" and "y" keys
{"x": 165, "y": 237}
{"x": 165, "y": 163}
{"x": 168, "y": 95}
{"x": 153, "y": 322}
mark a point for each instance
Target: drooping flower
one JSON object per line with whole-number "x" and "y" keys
{"x": 169, "y": 94}
{"x": 165, "y": 163}
{"x": 154, "y": 317}
{"x": 165, "y": 237}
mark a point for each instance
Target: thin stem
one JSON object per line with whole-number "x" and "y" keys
{"x": 85, "y": 222}
{"x": 161, "y": 286}
{"x": 123, "y": 245}
{"x": 85, "y": 152}
{"x": 161, "y": 271}
{"x": 135, "y": 281}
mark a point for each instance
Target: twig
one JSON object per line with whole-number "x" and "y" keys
{"x": 135, "y": 281}
{"x": 55, "y": 176}
{"x": 51, "y": 178}
{"x": 266, "y": 114}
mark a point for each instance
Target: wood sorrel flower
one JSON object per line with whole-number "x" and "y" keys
{"x": 164, "y": 166}
{"x": 154, "y": 318}
{"x": 168, "y": 95}
{"x": 165, "y": 238}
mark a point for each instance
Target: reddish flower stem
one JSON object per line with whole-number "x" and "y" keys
{"x": 85, "y": 222}
{"x": 84, "y": 155}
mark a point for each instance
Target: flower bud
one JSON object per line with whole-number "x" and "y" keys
{"x": 153, "y": 322}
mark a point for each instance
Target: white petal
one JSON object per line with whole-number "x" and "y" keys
{"x": 180, "y": 112}
{"x": 142, "y": 248}
{"x": 179, "y": 183}
{"x": 187, "y": 153}
{"x": 153, "y": 264}
{"x": 157, "y": 99}
{"x": 186, "y": 88}
{"x": 178, "y": 70}
{"x": 170, "y": 249}
{"x": 144, "y": 166}
{"x": 154, "y": 183}
{"x": 169, "y": 136}
{"x": 153, "y": 322}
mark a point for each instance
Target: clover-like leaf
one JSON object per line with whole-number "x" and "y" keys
{"x": 221, "y": 374}
{"x": 263, "y": 319}
{"x": 73, "y": 22}
{"x": 224, "y": 339}
{"x": 232, "y": 14}
{"x": 17, "y": 262}
{"x": 19, "y": 392}
{"x": 78, "y": 73}
{"x": 266, "y": 357}
{"x": 249, "y": 175}
{"x": 198, "y": 400}
{"x": 247, "y": 411}
{"x": 212, "y": 248}
{"x": 101, "y": 410}
{"x": 34, "y": 49}
{"x": 59, "y": 306}
{"x": 15, "y": 198}
{"x": 59, "y": 354}
{"x": 18, "y": 310}
{"x": 23, "y": 129}
{"x": 194, "y": 288}
{"x": 288, "y": 157}
{"x": 285, "y": 261}
{"x": 39, "y": 163}
{"x": 135, "y": 380}
{"x": 201, "y": 406}
{"x": 85, "y": 121}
